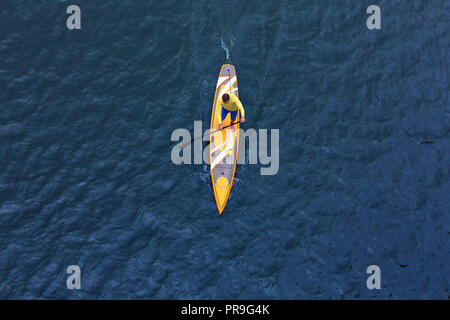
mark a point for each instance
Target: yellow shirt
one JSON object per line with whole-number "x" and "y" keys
{"x": 232, "y": 105}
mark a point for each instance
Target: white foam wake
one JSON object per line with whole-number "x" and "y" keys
{"x": 228, "y": 49}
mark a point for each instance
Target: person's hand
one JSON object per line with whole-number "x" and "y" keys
{"x": 242, "y": 119}
{"x": 220, "y": 126}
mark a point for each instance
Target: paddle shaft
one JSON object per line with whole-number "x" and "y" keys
{"x": 232, "y": 124}
{"x": 188, "y": 143}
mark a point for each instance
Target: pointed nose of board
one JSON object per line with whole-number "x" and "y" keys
{"x": 222, "y": 192}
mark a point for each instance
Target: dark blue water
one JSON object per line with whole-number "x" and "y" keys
{"x": 85, "y": 170}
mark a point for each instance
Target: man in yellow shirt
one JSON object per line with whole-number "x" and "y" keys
{"x": 229, "y": 104}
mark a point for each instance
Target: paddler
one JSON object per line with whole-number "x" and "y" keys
{"x": 229, "y": 104}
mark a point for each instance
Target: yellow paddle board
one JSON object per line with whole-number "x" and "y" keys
{"x": 224, "y": 143}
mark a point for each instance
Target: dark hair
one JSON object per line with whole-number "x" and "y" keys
{"x": 225, "y": 97}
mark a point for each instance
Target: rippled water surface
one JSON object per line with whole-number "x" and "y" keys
{"x": 86, "y": 176}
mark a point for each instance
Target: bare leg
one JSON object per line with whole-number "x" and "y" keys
{"x": 232, "y": 127}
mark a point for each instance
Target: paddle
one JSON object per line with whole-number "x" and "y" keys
{"x": 188, "y": 143}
